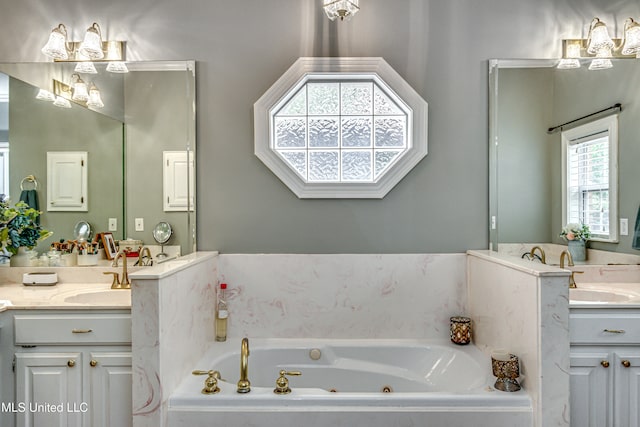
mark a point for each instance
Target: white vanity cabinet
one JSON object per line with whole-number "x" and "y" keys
{"x": 73, "y": 369}
{"x": 605, "y": 367}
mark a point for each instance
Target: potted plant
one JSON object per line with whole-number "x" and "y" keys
{"x": 576, "y": 236}
{"x": 20, "y": 230}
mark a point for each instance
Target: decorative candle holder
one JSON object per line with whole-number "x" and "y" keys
{"x": 460, "y": 330}
{"x": 506, "y": 367}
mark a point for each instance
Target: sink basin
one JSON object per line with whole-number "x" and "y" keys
{"x": 106, "y": 297}
{"x": 598, "y": 295}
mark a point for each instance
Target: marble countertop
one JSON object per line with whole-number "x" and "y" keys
{"x": 16, "y": 296}
{"x": 605, "y": 295}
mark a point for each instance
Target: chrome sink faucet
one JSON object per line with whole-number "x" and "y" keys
{"x": 125, "y": 283}
{"x": 244, "y": 386}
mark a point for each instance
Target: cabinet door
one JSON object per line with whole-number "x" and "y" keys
{"x": 627, "y": 388}
{"x": 49, "y": 389}
{"x": 67, "y": 183}
{"x": 110, "y": 387}
{"x": 178, "y": 181}
{"x": 591, "y": 397}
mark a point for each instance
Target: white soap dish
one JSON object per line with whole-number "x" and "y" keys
{"x": 39, "y": 279}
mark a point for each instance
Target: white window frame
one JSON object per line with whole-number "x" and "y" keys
{"x": 610, "y": 125}
{"x": 308, "y": 69}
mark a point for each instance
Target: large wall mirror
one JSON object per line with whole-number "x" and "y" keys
{"x": 527, "y": 97}
{"x": 147, "y": 112}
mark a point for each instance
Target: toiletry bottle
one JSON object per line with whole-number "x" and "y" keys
{"x": 221, "y": 315}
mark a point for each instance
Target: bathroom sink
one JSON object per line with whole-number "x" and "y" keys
{"x": 598, "y": 295}
{"x": 106, "y": 297}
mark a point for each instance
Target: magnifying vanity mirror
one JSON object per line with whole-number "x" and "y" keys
{"x": 162, "y": 233}
{"x": 148, "y": 111}
{"x": 527, "y": 97}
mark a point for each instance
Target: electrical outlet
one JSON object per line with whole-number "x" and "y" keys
{"x": 139, "y": 224}
{"x": 624, "y": 226}
{"x": 113, "y": 224}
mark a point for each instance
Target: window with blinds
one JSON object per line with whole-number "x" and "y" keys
{"x": 590, "y": 176}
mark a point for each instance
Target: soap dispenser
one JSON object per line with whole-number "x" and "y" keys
{"x": 221, "y": 315}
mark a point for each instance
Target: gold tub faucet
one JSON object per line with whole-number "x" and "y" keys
{"x": 572, "y": 280}
{"x": 125, "y": 284}
{"x": 244, "y": 386}
{"x": 543, "y": 257}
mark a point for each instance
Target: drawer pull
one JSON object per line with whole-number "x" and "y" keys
{"x": 614, "y": 331}
{"x": 93, "y": 363}
{"x": 626, "y": 363}
{"x": 71, "y": 363}
{"x": 81, "y": 331}
{"x": 605, "y": 363}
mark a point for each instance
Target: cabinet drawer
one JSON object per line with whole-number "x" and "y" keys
{"x": 604, "y": 329}
{"x": 73, "y": 329}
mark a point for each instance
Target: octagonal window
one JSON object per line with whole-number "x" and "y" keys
{"x": 344, "y": 131}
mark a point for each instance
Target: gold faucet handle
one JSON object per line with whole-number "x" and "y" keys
{"x": 282, "y": 383}
{"x": 115, "y": 284}
{"x": 211, "y": 382}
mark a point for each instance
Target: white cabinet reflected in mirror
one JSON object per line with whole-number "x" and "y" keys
{"x": 147, "y": 111}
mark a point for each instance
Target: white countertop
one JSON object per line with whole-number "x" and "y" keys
{"x": 605, "y": 295}
{"x": 16, "y": 296}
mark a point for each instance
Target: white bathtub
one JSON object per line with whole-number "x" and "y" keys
{"x": 440, "y": 381}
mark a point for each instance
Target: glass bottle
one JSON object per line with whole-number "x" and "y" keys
{"x": 221, "y": 315}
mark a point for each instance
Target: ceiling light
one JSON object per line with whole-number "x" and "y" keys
{"x": 91, "y": 46}
{"x": 343, "y": 9}
{"x": 56, "y": 46}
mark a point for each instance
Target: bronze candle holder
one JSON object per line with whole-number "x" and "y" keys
{"x": 460, "y": 330}
{"x": 506, "y": 367}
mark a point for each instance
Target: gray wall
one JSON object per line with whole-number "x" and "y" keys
{"x": 440, "y": 47}
{"x": 36, "y": 127}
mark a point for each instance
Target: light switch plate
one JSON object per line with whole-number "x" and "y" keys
{"x": 113, "y": 224}
{"x": 139, "y": 224}
{"x": 624, "y": 226}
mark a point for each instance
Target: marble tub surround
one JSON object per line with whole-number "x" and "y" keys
{"x": 553, "y": 251}
{"x": 172, "y": 312}
{"x": 523, "y": 307}
{"x": 343, "y": 295}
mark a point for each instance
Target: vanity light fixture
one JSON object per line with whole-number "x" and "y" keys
{"x": 45, "y": 95}
{"x": 599, "y": 47}
{"x": 80, "y": 92}
{"x": 62, "y": 102}
{"x": 343, "y": 9}
{"x": 92, "y": 48}
{"x": 85, "y": 66}
{"x": 95, "y": 100}
{"x": 117, "y": 67}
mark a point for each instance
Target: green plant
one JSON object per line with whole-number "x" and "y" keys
{"x": 574, "y": 231}
{"x": 19, "y": 226}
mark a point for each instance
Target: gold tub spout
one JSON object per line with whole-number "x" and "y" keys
{"x": 543, "y": 257}
{"x": 244, "y": 386}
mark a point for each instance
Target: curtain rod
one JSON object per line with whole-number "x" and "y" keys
{"x": 613, "y": 109}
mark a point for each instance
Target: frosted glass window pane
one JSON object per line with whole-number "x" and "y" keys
{"x": 297, "y": 106}
{"x": 390, "y": 131}
{"x": 323, "y": 166}
{"x": 324, "y": 98}
{"x": 356, "y": 132}
{"x": 383, "y": 104}
{"x": 357, "y": 98}
{"x": 356, "y": 165}
{"x": 290, "y": 132}
{"x": 323, "y": 132}
{"x": 297, "y": 160}
{"x": 384, "y": 158}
